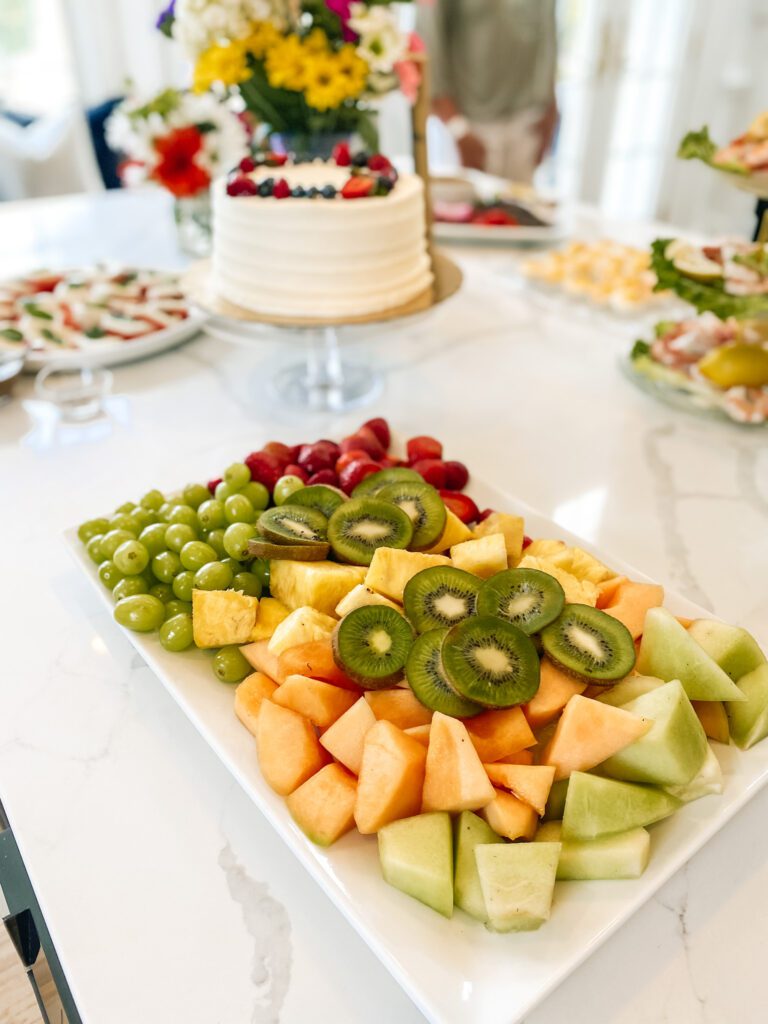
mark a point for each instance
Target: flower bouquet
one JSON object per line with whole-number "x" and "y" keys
{"x": 307, "y": 69}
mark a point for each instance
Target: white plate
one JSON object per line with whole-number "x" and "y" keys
{"x": 497, "y": 234}
{"x": 455, "y": 971}
{"x": 110, "y": 353}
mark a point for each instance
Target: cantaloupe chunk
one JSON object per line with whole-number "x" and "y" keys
{"x": 454, "y": 532}
{"x": 512, "y": 528}
{"x": 510, "y": 817}
{"x": 263, "y": 660}
{"x": 630, "y": 603}
{"x": 455, "y": 779}
{"x": 322, "y": 703}
{"x": 495, "y": 734}
{"x": 289, "y": 751}
{"x": 314, "y": 659}
{"x": 588, "y": 733}
{"x": 391, "y": 777}
{"x": 248, "y": 697}
{"x": 555, "y": 690}
{"x": 714, "y": 719}
{"x": 270, "y": 614}
{"x": 323, "y": 807}
{"x": 420, "y": 733}
{"x": 607, "y": 589}
{"x": 399, "y": 706}
{"x": 346, "y": 737}
{"x": 521, "y": 757}
{"x": 531, "y": 784}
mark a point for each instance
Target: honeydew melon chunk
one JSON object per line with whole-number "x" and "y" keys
{"x": 749, "y": 721}
{"x": 709, "y": 779}
{"x": 628, "y": 689}
{"x": 596, "y": 807}
{"x": 470, "y": 831}
{"x": 669, "y": 652}
{"x": 556, "y": 800}
{"x": 734, "y": 649}
{"x": 672, "y": 752}
{"x": 517, "y": 882}
{"x": 416, "y": 857}
{"x": 624, "y": 855}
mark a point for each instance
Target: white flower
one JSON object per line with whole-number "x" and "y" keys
{"x": 199, "y": 24}
{"x": 381, "y": 44}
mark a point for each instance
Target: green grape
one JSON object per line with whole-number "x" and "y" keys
{"x": 196, "y": 554}
{"x": 127, "y": 506}
{"x": 144, "y": 517}
{"x": 233, "y": 564}
{"x": 131, "y": 557}
{"x": 285, "y": 487}
{"x": 176, "y": 633}
{"x": 210, "y": 515}
{"x": 257, "y": 494}
{"x": 153, "y": 538}
{"x": 94, "y": 548}
{"x": 91, "y": 528}
{"x": 183, "y": 514}
{"x": 238, "y": 509}
{"x": 195, "y": 494}
{"x": 216, "y": 539}
{"x": 247, "y": 583}
{"x": 109, "y": 574}
{"x": 130, "y": 586}
{"x": 153, "y": 500}
{"x": 142, "y": 613}
{"x": 166, "y": 565}
{"x": 260, "y": 569}
{"x": 164, "y": 511}
{"x": 183, "y": 584}
{"x": 179, "y": 534}
{"x": 238, "y": 475}
{"x": 225, "y": 490}
{"x": 111, "y": 541}
{"x": 213, "y": 576}
{"x": 230, "y": 666}
{"x": 176, "y": 607}
{"x": 236, "y": 538}
{"x": 162, "y": 591}
{"x": 123, "y": 521}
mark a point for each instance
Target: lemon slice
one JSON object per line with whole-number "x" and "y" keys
{"x": 697, "y": 266}
{"x": 736, "y": 366}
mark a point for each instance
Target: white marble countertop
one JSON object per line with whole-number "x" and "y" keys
{"x": 167, "y": 895}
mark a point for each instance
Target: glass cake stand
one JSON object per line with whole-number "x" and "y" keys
{"x": 323, "y": 381}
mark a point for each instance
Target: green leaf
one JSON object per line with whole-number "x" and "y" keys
{"x": 702, "y": 295}
{"x": 367, "y": 131}
{"x": 699, "y": 146}
{"x": 663, "y": 327}
{"x": 50, "y": 336}
{"x": 33, "y": 310}
{"x": 11, "y": 334}
{"x": 94, "y": 332}
{"x": 640, "y": 348}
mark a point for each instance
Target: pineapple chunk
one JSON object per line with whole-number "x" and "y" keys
{"x": 319, "y": 585}
{"x": 269, "y": 616}
{"x": 544, "y": 548}
{"x": 361, "y": 596}
{"x": 581, "y": 564}
{"x": 391, "y": 569}
{"x": 484, "y": 556}
{"x": 454, "y": 532}
{"x": 221, "y": 617}
{"x": 512, "y": 528}
{"x": 576, "y": 591}
{"x": 301, "y": 627}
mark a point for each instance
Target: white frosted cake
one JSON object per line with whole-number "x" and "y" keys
{"x": 321, "y": 255}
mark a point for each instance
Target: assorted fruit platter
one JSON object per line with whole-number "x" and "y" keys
{"x": 90, "y": 311}
{"x": 465, "y": 207}
{"x": 746, "y": 155}
{"x": 501, "y": 711}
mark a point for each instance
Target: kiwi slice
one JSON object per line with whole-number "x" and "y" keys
{"x": 373, "y": 483}
{"x": 361, "y": 525}
{"x": 589, "y": 644}
{"x": 423, "y": 506}
{"x": 371, "y": 645}
{"x": 293, "y": 524}
{"x": 490, "y": 661}
{"x": 527, "y": 598}
{"x": 320, "y": 496}
{"x": 440, "y": 596}
{"x": 425, "y": 675}
{"x": 260, "y": 548}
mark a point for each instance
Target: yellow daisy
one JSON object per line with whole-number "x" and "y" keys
{"x": 263, "y": 37}
{"x": 224, "y": 64}
{"x": 324, "y": 87}
{"x": 285, "y": 64}
{"x": 353, "y": 68}
{"x": 316, "y": 41}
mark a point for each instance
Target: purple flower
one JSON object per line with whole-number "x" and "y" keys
{"x": 341, "y": 8}
{"x": 165, "y": 19}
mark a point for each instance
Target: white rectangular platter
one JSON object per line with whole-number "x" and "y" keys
{"x": 455, "y": 971}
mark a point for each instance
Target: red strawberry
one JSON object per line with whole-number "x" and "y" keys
{"x": 242, "y": 186}
{"x": 213, "y": 484}
{"x": 433, "y": 471}
{"x": 456, "y": 476}
{"x": 282, "y": 189}
{"x": 380, "y": 427}
{"x": 350, "y": 456}
{"x": 247, "y": 164}
{"x": 273, "y": 159}
{"x": 341, "y": 154}
{"x": 293, "y": 469}
{"x": 280, "y": 451}
{"x": 527, "y": 541}
{"x": 366, "y": 440}
{"x": 484, "y": 514}
{"x": 461, "y": 505}
{"x": 265, "y": 468}
{"x": 495, "y": 217}
{"x": 379, "y": 163}
{"x": 317, "y": 456}
{"x": 358, "y": 187}
{"x": 325, "y": 476}
{"x": 356, "y": 471}
{"x": 423, "y": 447}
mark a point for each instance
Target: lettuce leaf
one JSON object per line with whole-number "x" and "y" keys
{"x": 702, "y": 295}
{"x": 699, "y": 146}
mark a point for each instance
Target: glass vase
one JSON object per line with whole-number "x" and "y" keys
{"x": 192, "y": 215}
{"x": 307, "y": 145}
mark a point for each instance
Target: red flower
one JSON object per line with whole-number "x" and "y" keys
{"x": 177, "y": 170}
